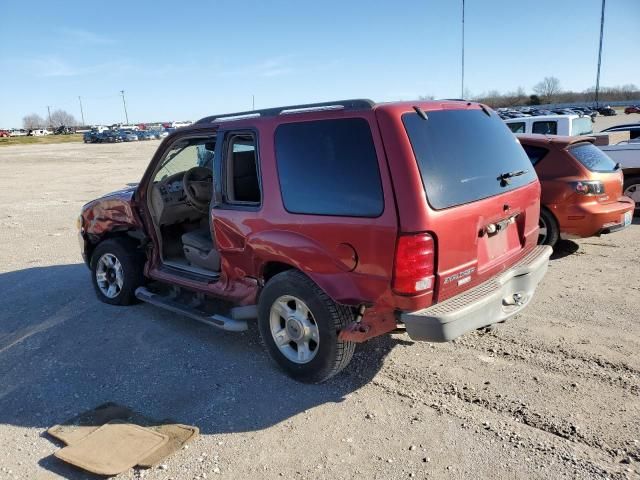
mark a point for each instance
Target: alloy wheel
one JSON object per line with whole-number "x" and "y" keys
{"x": 633, "y": 192}
{"x": 294, "y": 329}
{"x": 109, "y": 275}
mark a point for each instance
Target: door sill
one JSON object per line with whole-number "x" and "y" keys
{"x": 190, "y": 273}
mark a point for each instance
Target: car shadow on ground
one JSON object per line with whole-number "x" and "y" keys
{"x": 564, "y": 248}
{"x": 63, "y": 352}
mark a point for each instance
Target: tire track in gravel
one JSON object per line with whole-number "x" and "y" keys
{"x": 558, "y": 359}
{"x": 561, "y": 440}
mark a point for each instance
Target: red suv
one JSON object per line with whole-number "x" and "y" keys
{"x": 328, "y": 223}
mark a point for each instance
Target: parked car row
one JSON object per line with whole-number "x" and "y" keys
{"x": 116, "y": 136}
{"x": 36, "y": 132}
{"x": 506, "y": 113}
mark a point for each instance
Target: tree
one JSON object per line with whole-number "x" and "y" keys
{"x": 548, "y": 88}
{"x": 33, "y": 121}
{"x": 60, "y": 118}
{"x": 534, "y": 100}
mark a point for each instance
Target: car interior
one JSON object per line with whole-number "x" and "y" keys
{"x": 181, "y": 194}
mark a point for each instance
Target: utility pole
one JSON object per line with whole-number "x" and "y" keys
{"x": 600, "y": 53}
{"x": 126, "y": 115}
{"x": 81, "y": 111}
{"x": 253, "y": 102}
{"x": 462, "y": 83}
{"x": 49, "y": 112}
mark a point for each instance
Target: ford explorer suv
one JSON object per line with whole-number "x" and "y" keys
{"x": 581, "y": 188}
{"x": 329, "y": 224}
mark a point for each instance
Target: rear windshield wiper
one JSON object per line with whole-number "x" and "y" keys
{"x": 505, "y": 177}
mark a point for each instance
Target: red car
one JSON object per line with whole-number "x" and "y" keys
{"x": 581, "y": 188}
{"x": 4, "y": 133}
{"x": 632, "y": 109}
{"x": 328, "y": 223}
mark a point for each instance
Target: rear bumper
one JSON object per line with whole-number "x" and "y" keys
{"x": 587, "y": 220}
{"x": 490, "y": 302}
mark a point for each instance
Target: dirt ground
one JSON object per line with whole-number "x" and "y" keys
{"x": 554, "y": 393}
{"x": 621, "y": 118}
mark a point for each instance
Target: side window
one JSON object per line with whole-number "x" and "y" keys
{"x": 545, "y": 128}
{"x": 242, "y": 185}
{"x": 535, "y": 154}
{"x": 516, "y": 127}
{"x": 329, "y": 167}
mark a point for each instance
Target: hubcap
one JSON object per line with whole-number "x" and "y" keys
{"x": 633, "y": 191}
{"x": 109, "y": 275}
{"x": 542, "y": 233}
{"x": 294, "y": 330}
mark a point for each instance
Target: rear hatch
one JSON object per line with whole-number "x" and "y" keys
{"x": 480, "y": 194}
{"x": 603, "y": 170}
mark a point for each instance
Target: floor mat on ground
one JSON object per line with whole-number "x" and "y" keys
{"x": 112, "y": 448}
{"x": 77, "y": 428}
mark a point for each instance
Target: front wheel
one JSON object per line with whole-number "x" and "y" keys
{"x": 116, "y": 271}
{"x": 299, "y": 325}
{"x": 549, "y": 232}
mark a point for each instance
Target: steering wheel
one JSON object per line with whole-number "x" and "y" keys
{"x": 197, "y": 183}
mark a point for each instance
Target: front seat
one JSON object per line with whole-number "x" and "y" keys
{"x": 200, "y": 251}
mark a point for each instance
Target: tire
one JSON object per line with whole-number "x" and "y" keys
{"x": 632, "y": 189}
{"x": 549, "y": 229}
{"x": 294, "y": 292}
{"x": 105, "y": 260}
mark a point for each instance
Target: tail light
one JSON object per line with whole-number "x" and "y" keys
{"x": 591, "y": 187}
{"x": 414, "y": 264}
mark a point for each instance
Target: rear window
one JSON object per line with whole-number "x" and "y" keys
{"x": 461, "y": 154}
{"x": 329, "y": 167}
{"x": 581, "y": 126}
{"x": 545, "y": 128}
{"x": 592, "y": 157}
{"x": 535, "y": 154}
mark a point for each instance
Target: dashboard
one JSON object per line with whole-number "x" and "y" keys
{"x": 172, "y": 192}
{"x": 169, "y": 202}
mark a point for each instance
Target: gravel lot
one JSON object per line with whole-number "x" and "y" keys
{"x": 555, "y": 393}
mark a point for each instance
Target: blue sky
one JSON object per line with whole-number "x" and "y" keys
{"x": 184, "y": 60}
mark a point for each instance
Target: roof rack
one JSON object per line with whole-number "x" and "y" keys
{"x": 354, "y": 104}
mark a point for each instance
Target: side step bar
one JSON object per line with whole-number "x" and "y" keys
{"x": 218, "y": 321}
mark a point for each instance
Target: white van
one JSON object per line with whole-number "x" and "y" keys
{"x": 569, "y": 125}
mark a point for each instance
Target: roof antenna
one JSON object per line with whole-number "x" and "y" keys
{"x": 420, "y": 113}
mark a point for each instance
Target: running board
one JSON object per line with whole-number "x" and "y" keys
{"x": 218, "y": 321}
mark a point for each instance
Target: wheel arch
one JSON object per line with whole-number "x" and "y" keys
{"x": 135, "y": 236}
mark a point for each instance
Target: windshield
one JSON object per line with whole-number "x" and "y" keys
{"x": 462, "y": 153}
{"x": 592, "y": 157}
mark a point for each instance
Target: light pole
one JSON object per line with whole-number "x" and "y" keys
{"x": 49, "y": 112}
{"x": 462, "y": 82}
{"x": 124, "y": 104}
{"x": 600, "y": 53}
{"x": 81, "y": 111}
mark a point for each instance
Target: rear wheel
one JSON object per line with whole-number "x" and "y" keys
{"x": 549, "y": 232}
{"x": 299, "y": 325}
{"x": 632, "y": 190}
{"x": 117, "y": 270}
